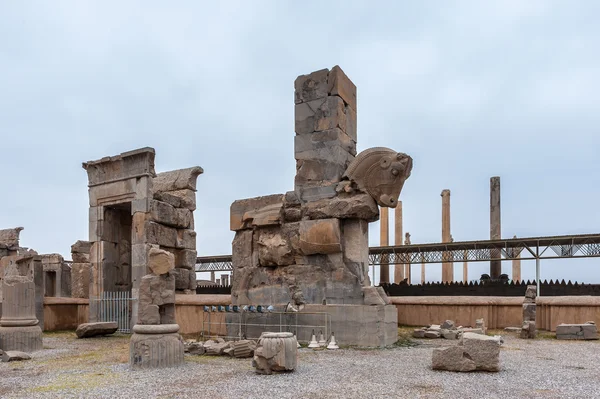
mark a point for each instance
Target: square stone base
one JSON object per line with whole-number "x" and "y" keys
{"x": 356, "y": 325}
{"x": 152, "y": 351}
{"x": 24, "y": 339}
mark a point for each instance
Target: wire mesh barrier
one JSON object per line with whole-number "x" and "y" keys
{"x": 250, "y": 325}
{"x": 114, "y": 306}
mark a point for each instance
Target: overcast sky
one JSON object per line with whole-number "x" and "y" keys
{"x": 469, "y": 90}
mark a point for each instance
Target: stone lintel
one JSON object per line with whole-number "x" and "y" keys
{"x": 126, "y": 165}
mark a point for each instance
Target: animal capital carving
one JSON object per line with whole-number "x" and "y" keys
{"x": 381, "y": 172}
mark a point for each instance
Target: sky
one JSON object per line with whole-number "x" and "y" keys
{"x": 469, "y": 89}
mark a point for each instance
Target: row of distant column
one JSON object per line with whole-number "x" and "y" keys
{"x": 403, "y": 272}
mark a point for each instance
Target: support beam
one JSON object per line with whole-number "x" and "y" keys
{"x": 447, "y": 267}
{"x": 399, "y": 273}
{"x": 516, "y": 267}
{"x": 466, "y": 269}
{"x": 495, "y": 225}
{"x": 384, "y": 230}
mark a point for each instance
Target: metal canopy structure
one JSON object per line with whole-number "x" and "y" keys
{"x": 533, "y": 248}
{"x": 572, "y": 246}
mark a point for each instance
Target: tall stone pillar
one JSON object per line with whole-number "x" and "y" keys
{"x": 447, "y": 267}
{"x": 422, "y": 270}
{"x": 516, "y": 267}
{"x": 399, "y": 274}
{"x": 384, "y": 241}
{"x": 465, "y": 269}
{"x": 495, "y": 229}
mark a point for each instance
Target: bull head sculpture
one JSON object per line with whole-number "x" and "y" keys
{"x": 381, "y": 172}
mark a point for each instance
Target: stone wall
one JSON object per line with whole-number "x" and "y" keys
{"x": 57, "y": 275}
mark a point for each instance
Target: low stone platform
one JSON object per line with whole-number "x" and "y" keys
{"x": 21, "y": 338}
{"x": 577, "y": 331}
{"x": 355, "y": 325}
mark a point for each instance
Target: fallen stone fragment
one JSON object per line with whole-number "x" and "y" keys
{"x": 513, "y": 329}
{"x": 434, "y": 327}
{"x": 577, "y": 331}
{"x": 474, "y": 352}
{"x": 448, "y": 325}
{"x": 432, "y": 334}
{"x": 194, "y": 348}
{"x": 473, "y": 330}
{"x": 244, "y": 348}
{"x": 419, "y": 333}
{"x": 528, "y": 330}
{"x": 88, "y": 330}
{"x": 451, "y": 334}
{"x": 216, "y": 349}
{"x": 275, "y": 352}
{"x": 11, "y": 356}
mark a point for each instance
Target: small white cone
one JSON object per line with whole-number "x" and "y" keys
{"x": 322, "y": 341}
{"x": 313, "y": 341}
{"x": 332, "y": 343}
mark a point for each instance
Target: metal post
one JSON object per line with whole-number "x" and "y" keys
{"x": 537, "y": 274}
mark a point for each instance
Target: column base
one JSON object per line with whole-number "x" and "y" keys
{"x": 21, "y": 338}
{"x": 155, "y": 346}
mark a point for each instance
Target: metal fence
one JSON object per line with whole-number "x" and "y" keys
{"x": 114, "y": 306}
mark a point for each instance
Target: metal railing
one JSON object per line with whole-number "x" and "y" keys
{"x": 114, "y": 306}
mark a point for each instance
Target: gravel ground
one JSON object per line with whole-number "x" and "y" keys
{"x": 97, "y": 368}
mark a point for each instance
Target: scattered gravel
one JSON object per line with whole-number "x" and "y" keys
{"x": 97, "y": 368}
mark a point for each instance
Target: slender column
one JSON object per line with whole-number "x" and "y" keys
{"x": 212, "y": 276}
{"x": 495, "y": 230}
{"x": 447, "y": 267}
{"x": 466, "y": 269}
{"x": 399, "y": 273}
{"x": 384, "y": 227}
{"x": 422, "y": 270}
{"x": 516, "y": 267}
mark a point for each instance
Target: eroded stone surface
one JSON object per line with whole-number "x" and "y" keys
{"x": 276, "y": 352}
{"x": 160, "y": 261}
{"x": 474, "y": 352}
{"x": 88, "y": 330}
{"x": 585, "y": 331}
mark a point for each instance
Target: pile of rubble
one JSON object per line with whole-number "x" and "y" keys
{"x": 448, "y": 330}
{"x": 218, "y": 347}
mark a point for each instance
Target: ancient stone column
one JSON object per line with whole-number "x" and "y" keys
{"x": 19, "y": 326}
{"x": 495, "y": 230}
{"x": 516, "y": 266}
{"x": 399, "y": 273}
{"x": 384, "y": 241}
{"x": 447, "y": 267}
{"x": 155, "y": 342}
{"x": 422, "y": 270}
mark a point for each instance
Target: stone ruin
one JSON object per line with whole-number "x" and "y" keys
{"x": 57, "y": 276}
{"x": 132, "y": 209}
{"x": 309, "y": 247}
{"x": 474, "y": 352}
{"x": 19, "y": 326}
{"x": 529, "y": 328}
{"x": 155, "y": 342}
{"x": 81, "y": 269}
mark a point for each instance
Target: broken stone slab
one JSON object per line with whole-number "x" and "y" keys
{"x": 320, "y": 237}
{"x": 513, "y": 329}
{"x": 88, "y": 330}
{"x": 448, "y": 325}
{"x": 181, "y": 179}
{"x": 160, "y": 261}
{"x": 275, "y": 352}
{"x": 419, "y": 333}
{"x": 11, "y": 356}
{"x": 259, "y": 211}
{"x": 474, "y": 352}
{"x": 473, "y": 330}
{"x": 450, "y": 334}
{"x": 432, "y": 334}
{"x": 577, "y": 331}
{"x": 344, "y": 206}
{"x": 216, "y": 348}
{"x": 434, "y": 327}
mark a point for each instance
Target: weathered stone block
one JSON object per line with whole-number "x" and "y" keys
{"x": 193, "y": 283}
{"x": 162, "y": 235}
{"x": 274, "y": 250}
{"x": 185, "y": 198}
{"x": 164, "y": 213}
{"x": 22, "y": 338}
{"x": 316, "y": 193}
{"x": 11, "y": 356}
{"x": 577, "y": 331}
{"x": 529, "y": 311}
{"x": 80, "y": 280}
{"x": 343, "y": 206}
{"x": 182, "y": 279}
{"x": 338, "y": 84}
{"x": 312, "y": 86}
{"x": 82, "y": 247}
{"x": 242, "y": 249}
{"x": 474, "y": 352}
{"x": 451, "y": 359}
{"x": 419, "y": 333}
{"x": 305, "y": 143}
{"x": 325, "y": 114}
{"x": 160, "y": 261}
{"x": 372, "y": 296}
{"x": 157, "y": 290}
{"x": 186, "y": 239}
{"x": 528, "y": 331}
{"x": 182, "y": 179}
{"x": 88, "y": 330}
{"x": 185, "y": 258}
{"x": 320, "y": 236}
{"x": 77, "y": 257}
{"x": 259, "y": 211}
{"x": 324, "y": 171}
